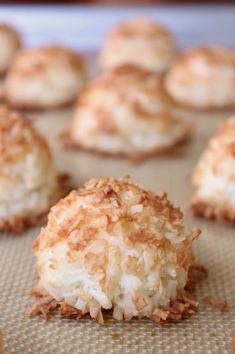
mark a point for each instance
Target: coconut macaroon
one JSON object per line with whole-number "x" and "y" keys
{"x": 114, "y": 246}
{"x": 10, "y": 43}
{"x": 126, "y": 112}
{"x": 139, "y": 41}
{"x": 214, "y": 177}
{"x": 203, "y": 78}
{"x": 29, "y": 184}
{"x": 43, "y": 78}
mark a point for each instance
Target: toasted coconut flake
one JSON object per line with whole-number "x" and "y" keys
{"x": 216, "y": 303}
{"x": 139, "y": 301}
{"x": 199, "y": 268}
{"x": 194, "y": 235}
{"x": 206, "y": 210}
{"x": 197, "y": 272}
{"x": 160, "y": 315}
{"x": 45, "y": 306}
{"x": 66, "y": 310}
{"x": 183, "y": 306}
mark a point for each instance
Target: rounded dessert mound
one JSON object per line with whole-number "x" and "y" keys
{"x": 9, "y": 44}
{"x": 214, "y": 177}
{"x": 28, "y": 179}
{"x": 139, "y": 41}
{"x": 203, "y": 78}
{"x": 126, "y": 112}
{"x": 113, "y": 245}
{"x": 45, "y": 77}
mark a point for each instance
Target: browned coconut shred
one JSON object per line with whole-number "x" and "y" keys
{"x": 216, "y": 303}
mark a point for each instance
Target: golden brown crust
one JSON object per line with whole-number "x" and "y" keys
{"x": 136, "y": 158}
{"x": 37, "y": 107}
{"x": 18, "y": 224}
{"x": 40, "y": 65}
{"x": 36, "y": 60}
{"x": 123, "y": 77}
{"x": 10, "y": 121}
{"x": 126, "y": 77}
{"x": 207, "y": 210}
{"x": 183, "y": 306}
{"x": 142, "y": 26}
{"x": 106, "y": 197}
{"x": 133, "y": 73}
{"x": 127, "y": 39}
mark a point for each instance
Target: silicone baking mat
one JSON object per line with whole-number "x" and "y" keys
{"x": 206, "y": 332}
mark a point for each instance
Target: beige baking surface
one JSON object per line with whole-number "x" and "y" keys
{"x": 206, "y": 332}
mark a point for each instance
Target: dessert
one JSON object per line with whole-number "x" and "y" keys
{"x": 214, "y": 177}
{"x": 126, "y": 112}
{"x": 45, "y": 77}
{"x": 203, "y": 78}
{"x": 29, "y": 183}
{"x": 10, "y": 43}
{"x": 114, "y": 246}
{"x": 139, "y": 41}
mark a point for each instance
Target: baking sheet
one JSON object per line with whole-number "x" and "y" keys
{"x": 206, "y": 332}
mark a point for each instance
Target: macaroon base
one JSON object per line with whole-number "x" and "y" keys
{"x": 182, "y": 307}
{"x": 189, "y": 106}
{"x": 224, "y": 214}
{"x": 177, "y": 149}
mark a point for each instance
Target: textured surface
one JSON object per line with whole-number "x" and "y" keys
{"x": 206, "y": 332}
